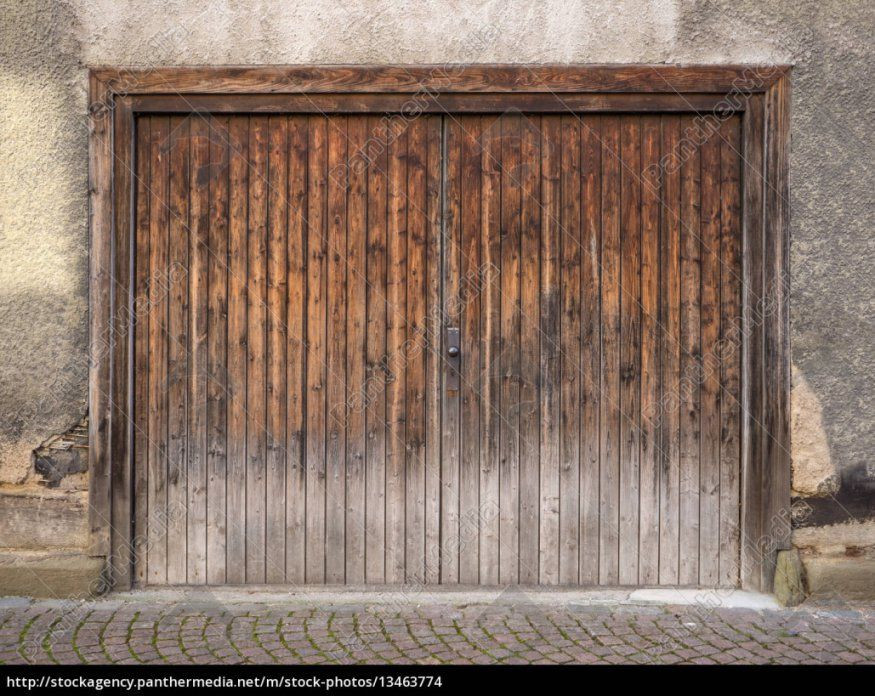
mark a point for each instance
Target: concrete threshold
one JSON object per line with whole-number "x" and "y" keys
{"x": 720, "y": 598}
{"x": 393, "y": 595}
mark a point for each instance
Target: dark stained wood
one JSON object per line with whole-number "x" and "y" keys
{"x": 776, "y": 335}
{"x": 691, "y": 351}
{"x": 667, "y": 413}
{"x": 609, "y": 417}
{"x": 356, "y": 319}
{"x": 649, "y": 438}
{"x": 530, "y": 339}
{"x": 256, "y": 348}
{"x": 448, "y": 78}
{"x": 296, "y": 351}
{"x": 243, "y": 419}
{"x": 335, "y": 367}
{"x": 316, "y": 433}
{"x": 178, "y": 346}
{"x": 590, "y": 348}
{"x": 277, "y": 341}
{"x": 509, "y": 445}
{"x": 550, "y": 356}
{"x": 630, "y": 345}
{"x": 569, "y": 347}
{"x": 434, "y": 103}
{"x": 754, "y": 498}
{"x": 450, "y": 407}
{"x": 238, "y": 254}
{"x": 490, "y": 343}
{"x": 141, "y": 311}
{"x": 730, "y": 349}
{"x": 434, "y": 320}
{"x": 709, "y": 448}
{"x": 198, "y": 255}
{"x": 396, "y": 359}
{"x": 469, "y": 302}
{"x": 375, "y": 416}
{"x": 120, "y": 474}
{"x": 157, "y": 402}
{"x": 101, "y": 411}
{"x": 217, "y": 351}
{"x": 543, "y": 173}
{"x": 414, "y": 353}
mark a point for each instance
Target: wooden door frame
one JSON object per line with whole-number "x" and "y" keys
{"x": 760, "y": 93}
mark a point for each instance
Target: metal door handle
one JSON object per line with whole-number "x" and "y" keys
{"x": 453, "y": 350}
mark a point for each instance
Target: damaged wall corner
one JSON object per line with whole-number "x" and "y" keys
{"x": 44, "y": 529}
{"x": 49, "y": 509}
{"x": 63, "y": 455}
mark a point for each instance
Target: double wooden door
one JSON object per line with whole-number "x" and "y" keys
{"x": 445, "y": 349}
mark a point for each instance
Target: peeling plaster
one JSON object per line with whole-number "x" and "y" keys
{"x": 814, "y": 473}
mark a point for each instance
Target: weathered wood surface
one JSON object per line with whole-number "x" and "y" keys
{"x": 290, "y": 369}
{"x": 450, "y": 78}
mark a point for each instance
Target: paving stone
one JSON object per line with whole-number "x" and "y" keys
{"x": 128, "y": 633}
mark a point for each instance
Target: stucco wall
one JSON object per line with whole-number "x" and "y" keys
{"x": 47, "y": 46}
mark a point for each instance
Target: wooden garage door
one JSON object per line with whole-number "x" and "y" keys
{"x": 470, "y": 349}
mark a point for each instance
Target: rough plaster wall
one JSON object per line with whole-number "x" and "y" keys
{"x": 43, "y": 239}
{"x": 46, "y": 49}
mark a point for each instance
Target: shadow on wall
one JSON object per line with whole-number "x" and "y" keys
{"x": 44, "y": 241}
{"x": 831, "y": 495}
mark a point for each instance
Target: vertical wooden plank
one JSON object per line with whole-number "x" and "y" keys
{"x": 335, "y": 446}
{"x": 730, "y": 349}
{"x": 375, "y": 416}
{"x": 690, "y": 359}
{"x": 569, "y": 463}
{"x": 277, "y": 323}
{"x": 356, "y": 387}
{"x": 590, "y": 350}
{"x": 256, "y": 383}
{"x": 648, "y": 537}
{"x": 670, "y": 350}
{"x": 142, "y": 310}
{"x": 530, "y": 241}
{"x": 550, "y": 356}
{"x": 396, "y": 330}
{"x": 414, "y": 353}
{"x": 158, "y": 289}
{"x": 609, "y": 416}
{"x": 450, "y": 408}
{"x": 317, "y": 228}
{"x": 296, "y": 351}
{"x": 238, "y": 248}
{"x": 510, "y": 351}
{"x": 469, "y": 464}
{"x": 490, "y": 344}
{"x": 776, "y": 334}
{"x": 434, "y": 191}
{"x": 217, "y": 351}
{"x": 198, "y": 254}
{"x": 752, "y": 350}
{"x": 630, "y": 345}
{"x": 177, "y": 350}
{"x": 709, "y": 451}
{"x": 100, "y": 160}
{"x": 120, "y": 444}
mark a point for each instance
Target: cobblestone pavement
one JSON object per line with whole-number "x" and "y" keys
{"x": 512, "y": 632}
